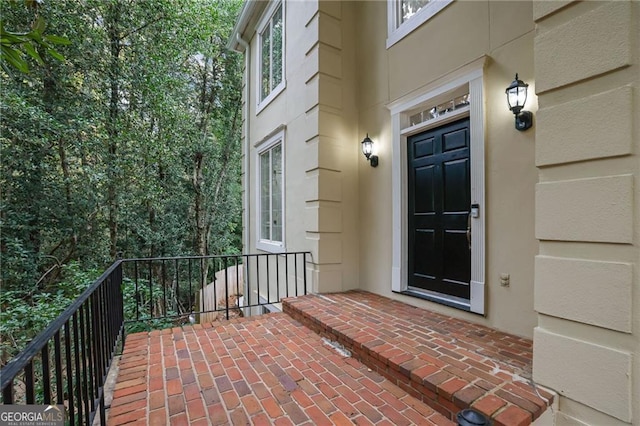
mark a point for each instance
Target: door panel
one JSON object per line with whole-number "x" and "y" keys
{"x": 424, "y": 177}
{"x": 424, "y": 148}
{"x": 456, "y": 249}
{"x": 439, "y": 193}
{"x": 456, "y": 177}
{"x": 425, "y": 243}
{"x": 455, "y": 140}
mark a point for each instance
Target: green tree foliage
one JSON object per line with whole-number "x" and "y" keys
{"x": 129, "y": 147}
{"x": 15, "y": 47}
{"x": 17, "y": 320}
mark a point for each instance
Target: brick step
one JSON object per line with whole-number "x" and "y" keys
{"x": 448, "y": 363}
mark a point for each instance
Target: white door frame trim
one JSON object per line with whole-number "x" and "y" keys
{"x": 472, "y": 76}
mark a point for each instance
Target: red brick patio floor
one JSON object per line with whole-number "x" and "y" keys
{"x": 280, "y": 369}
{"x": 261, "y": 370}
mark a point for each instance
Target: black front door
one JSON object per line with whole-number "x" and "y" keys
{"x": 439, "y": 192}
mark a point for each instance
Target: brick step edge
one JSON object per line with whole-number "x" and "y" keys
{"x": 512, "y": 403}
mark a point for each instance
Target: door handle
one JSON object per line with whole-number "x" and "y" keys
{"x": 469, "y": 230}
{"x": 475, "y": 213}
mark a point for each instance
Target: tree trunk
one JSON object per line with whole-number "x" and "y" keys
{"x": 200, "y": 202}
{"x": 50, "y": 96}
{"x": 35, "y": 184}
{"x": 226, "y": 163}
{"x": 200, "y": 213}
{"x": 112, "y": 125}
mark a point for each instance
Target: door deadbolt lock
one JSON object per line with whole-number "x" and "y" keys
{"x": 475, "y": 210}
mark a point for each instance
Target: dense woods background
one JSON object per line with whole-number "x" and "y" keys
{"x": 129, "y": 147}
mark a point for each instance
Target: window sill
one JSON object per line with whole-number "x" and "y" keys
{"x": 270, "y": 247}
{"x": 406, "y": 28}
{"x": 274, "y": 94}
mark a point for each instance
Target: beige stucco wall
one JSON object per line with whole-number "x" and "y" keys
{"x": 586, "y": 275}
{"x": 503, "y": 31}
{"x": 317, "y": 111}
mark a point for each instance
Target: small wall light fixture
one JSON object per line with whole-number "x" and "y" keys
{"x": 517, "y": 97}
{"x": 367, "y": 149}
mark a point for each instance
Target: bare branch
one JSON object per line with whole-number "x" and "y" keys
{"x": 142, "y": 27}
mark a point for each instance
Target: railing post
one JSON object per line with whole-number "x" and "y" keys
{"x": 226, "y": 288}
{"x": 90, "y": 357}
{"x": 235, "y": 260}
{"x": 304, "y": 266}
{"x": 137, "y": 296}
{"x": 268, "y": 280}
{"x": 202, "y": 286}
{"x": 57, "y": 351}
{"x": 277, "y": 277}
{"x": 95, "y": 339}
{"x": 46, "y": 378}
{"x": 176, "y": 300}
{"x": 76, "y": 350}
{"x": 246, "y": 262}
{"x": 163, "y": 271}
{"x": 286, "y": 272}
{"x": 190, "y": 287}
{"x": 7, "y": 394}
{"x": 150, "y": 291}
{"x": 258, "y": 279}
{"x": 120, "y": 304}
{"x": 29, "y": 382}
{"x": 86, "y": 388}
{"x": 295, "y": 272}
{"x": 67, "y": 353}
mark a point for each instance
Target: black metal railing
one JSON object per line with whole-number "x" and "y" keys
{"x": 184, "y": 289}
{"x": 67, "y": 364}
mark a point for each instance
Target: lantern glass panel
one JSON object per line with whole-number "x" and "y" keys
{"x": 367, "y": 147}
{"x": 517, "y": 96}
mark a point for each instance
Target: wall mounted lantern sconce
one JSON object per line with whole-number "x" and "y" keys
{"x": 517, "y": 97}
{"x": 367, "y": 149}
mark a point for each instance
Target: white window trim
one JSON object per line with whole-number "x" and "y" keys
{"x": 276, "y": 137}
{"x": 266, "y": 18}
{"x": 473, "y": 76}
{"x": 397, "y": 30}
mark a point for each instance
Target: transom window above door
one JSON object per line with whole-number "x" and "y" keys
{"x": 434, "y": 111}
{"x": 271, "y": 62}
{"x": 404, "y": 16}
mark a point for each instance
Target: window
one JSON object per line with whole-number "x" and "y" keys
{"x": 408, "y": 8}
{"x": 271, "y": 60}
{"x": 271, "y": 194}
{"x": 404, "y": 16}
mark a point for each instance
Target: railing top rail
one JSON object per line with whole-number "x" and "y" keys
{"x": 213, "y": 256}
{"x": 18, "y": 363}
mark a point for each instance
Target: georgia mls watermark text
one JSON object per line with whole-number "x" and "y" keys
{"x": 32, "y": 415}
